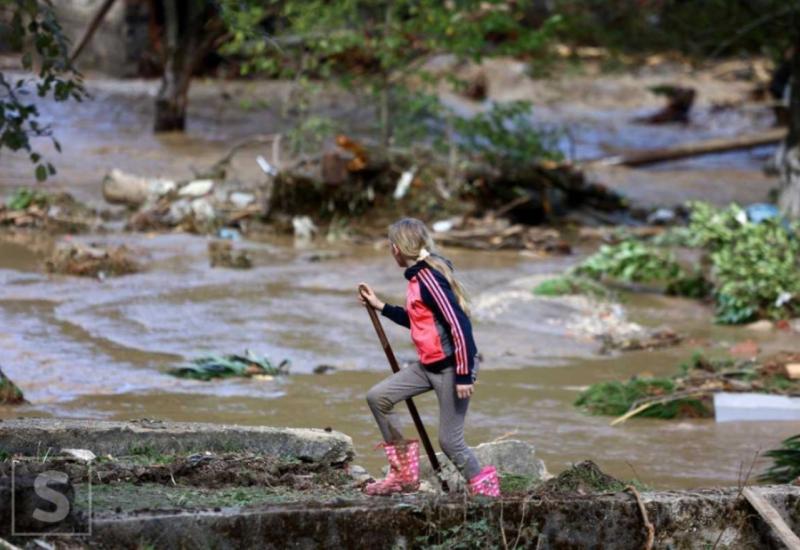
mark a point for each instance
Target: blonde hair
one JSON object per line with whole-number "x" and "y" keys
{"x": 415, "y": 243}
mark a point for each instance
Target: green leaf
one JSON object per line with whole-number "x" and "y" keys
{"x": 41, "y": 173}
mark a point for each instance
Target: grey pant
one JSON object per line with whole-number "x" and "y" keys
{"x": 414, "y": 380}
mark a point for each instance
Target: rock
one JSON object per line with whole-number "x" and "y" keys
{"x": 510, "y": 456}
{"x": 84, "y": 455}
{"x": 131, "y": 190}
{"x": 324, "y": 369}
{"x": 29, "y": 435}
{"x": 761, "y": 326}
{"x": 196, "y": 188}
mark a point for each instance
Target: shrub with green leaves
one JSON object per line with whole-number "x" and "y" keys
{"x": 754, "y": 266}
{"x": 566, "y": 285}
{"x": 630, "y": 261}
{"x": 24, "y": 197}
{"x": 785, "y": 462}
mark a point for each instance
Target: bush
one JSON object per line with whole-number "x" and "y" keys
{"x": 753, "y": 265}
{"x": 786, "y": 462}
{"x": 631, "y": 261}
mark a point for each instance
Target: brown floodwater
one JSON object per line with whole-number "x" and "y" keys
{"x": 84, "y": 348}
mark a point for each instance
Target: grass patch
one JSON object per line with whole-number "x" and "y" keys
{"x": 568, "y": 285}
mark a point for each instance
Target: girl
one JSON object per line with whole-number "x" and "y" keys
{"x": 436, "y": 312}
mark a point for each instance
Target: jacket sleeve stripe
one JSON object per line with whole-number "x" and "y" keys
{"x": 444, "y": 305}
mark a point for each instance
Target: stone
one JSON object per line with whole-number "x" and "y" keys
{"x": 760, "y": 326}
{"x": 510, "y": 456}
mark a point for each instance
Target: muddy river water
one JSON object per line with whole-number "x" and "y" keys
{"x": 85, "y": 348}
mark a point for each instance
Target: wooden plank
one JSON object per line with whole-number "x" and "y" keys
{"x": 772, "y": 517}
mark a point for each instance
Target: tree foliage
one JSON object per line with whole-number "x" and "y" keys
{"x": 34, "y": 30}
{"x": 378, "y": 50}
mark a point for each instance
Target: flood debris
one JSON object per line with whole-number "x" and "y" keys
{"x": 679, "y": 103}
{"x": 499, "y": 234}
{"x": 91, "y": 260}
{"x": 688, "y": 394}
{"x": 131, "y": 190}
{"x": 200, "y": 205}
{"x": 248, "y": 365}
{"x": 10, "y": 394}
{"x": 608, "y": 324}
{"x": 584, "y": 478}
{"x": 29, "y": 208}
{"x": 223, "y": 254}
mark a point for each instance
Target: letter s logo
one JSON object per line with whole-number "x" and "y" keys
{"x": 50, "y": 495}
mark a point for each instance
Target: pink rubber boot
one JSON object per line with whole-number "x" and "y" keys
{"x": 403, "y": 474}
{"x": 485, "y": 483}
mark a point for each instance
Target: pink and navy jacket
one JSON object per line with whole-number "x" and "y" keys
{"x": 440, "y": 329}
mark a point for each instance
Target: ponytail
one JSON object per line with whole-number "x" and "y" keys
{"x": 416, "y": 244}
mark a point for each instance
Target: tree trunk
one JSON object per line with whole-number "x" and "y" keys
{"x": 788, "y": 154}
{"x": 187, "y": 41}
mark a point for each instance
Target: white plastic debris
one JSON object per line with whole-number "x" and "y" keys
{"x": 81, "y": 454}
{"x": 442, "y": 226}
{"x": 304, "y": 228}
{"x": 404, "y": 183}
{"x": 240, "y": 199}
{"x": 266, "y": 166}
{"x": 196, "y": 188}
{"x": 203, "y": 210}
{"x": 750, "y": 407}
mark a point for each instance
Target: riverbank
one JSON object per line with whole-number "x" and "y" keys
{"x": 171, "y": 485}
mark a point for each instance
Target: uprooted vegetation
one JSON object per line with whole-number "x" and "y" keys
{"x": 747, "y": 263}
{"x": 82, "y": 260}
{"x": 490, "y": 204}
{"x": 688, "y": 394}
{"x": 29, "y": 208}
{"x": 248, "y": 365}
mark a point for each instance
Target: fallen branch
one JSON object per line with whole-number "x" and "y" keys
{"x": 644, "y": 404}
{"x": 651, "y": 530}
{"x": 696, "y": 149}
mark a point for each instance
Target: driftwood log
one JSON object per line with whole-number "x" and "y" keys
{"x": 696, "y": 149}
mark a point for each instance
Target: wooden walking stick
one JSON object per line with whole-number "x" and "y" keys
{"x": 412, "y": 408}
